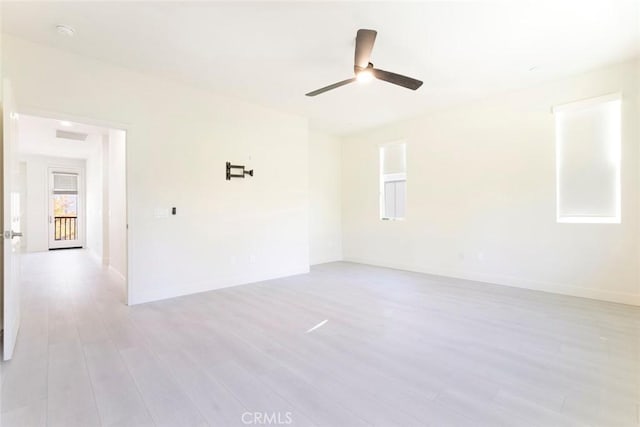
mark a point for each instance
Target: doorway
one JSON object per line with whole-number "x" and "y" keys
{"x": 66, "y": 213}
{"x": 75, "y": 180}
{"x": 64, "y": 186}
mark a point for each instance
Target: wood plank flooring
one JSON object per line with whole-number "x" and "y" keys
{"x": 397, "y": 349}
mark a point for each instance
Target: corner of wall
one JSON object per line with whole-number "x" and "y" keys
{"x": 325, "y": 198}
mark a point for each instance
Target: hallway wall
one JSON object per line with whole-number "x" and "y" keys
{"x": 95, "y": 192}
{"x": 117, "y": 208}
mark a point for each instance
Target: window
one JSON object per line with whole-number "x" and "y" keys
{"x": 588, "y": 160}
{"x": 393, "y": 181}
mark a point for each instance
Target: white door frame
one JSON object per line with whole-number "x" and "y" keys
{"x": 82, "y": 212}
{"x": 127, "y": 128}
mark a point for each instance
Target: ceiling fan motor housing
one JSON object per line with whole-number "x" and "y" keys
{"x": 357, "y": 69}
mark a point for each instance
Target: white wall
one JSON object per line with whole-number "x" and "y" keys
{"x": 325, "y": 233}
{"x": 178, "y": 140}
{"x": 95, "y": 187}
{"x": 481, "y": 195}
{"x": 36, "y": 220}
{"x": 105, "y": 200}
{"x": 117, "y": 227}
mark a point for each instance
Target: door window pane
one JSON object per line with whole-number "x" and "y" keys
{"x": 65, "y": 211}
{"x": 65, "y": 205}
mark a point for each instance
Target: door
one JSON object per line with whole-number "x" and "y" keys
{"x": 65, "y": 204}
{"x": 12, "y": 232}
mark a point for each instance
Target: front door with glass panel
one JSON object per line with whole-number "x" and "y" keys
{"x": 64, "y": 209}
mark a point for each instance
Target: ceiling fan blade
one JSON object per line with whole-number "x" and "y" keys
{"x": 397, "y": 79}
{"x": 330, "y": 87}
{"x": 364, "y": 45}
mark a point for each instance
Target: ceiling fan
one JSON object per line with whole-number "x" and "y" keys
{"x": 364, "y": 69}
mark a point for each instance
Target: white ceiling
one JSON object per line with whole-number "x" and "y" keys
{"x": 38, "y": 137}
{"x": 273, "y": 53}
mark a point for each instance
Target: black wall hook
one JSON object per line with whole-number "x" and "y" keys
{"x": 240, "y": 174}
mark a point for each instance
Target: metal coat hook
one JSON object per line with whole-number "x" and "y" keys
{"x": 240, "y": 174}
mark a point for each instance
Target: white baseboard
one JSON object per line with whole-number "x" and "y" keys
{"x": 326, "y": 260}
{"x": 550, "y": 287}
{"x": 94, "y": 255}
{"x": 206, "y": 286}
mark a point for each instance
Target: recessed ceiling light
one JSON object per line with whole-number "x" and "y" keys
{"x": 534, "y": 68}
{"x": 65, "y": 30}
{"x": 65, "y": 123}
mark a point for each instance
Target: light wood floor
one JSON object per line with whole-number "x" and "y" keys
{"x": 398, "y": 348}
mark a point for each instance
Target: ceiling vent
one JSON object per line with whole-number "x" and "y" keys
{"x": 76, "y": 136}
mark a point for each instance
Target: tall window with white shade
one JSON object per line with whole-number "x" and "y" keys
{"x": 588, "y": 157}
{"x": 393, "y": 181}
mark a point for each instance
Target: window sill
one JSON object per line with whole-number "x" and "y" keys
{"x": 588, "y": 220}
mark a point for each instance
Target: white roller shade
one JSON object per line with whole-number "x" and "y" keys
{"x": 588, "y": 160}
{"x": 65, "y": 183}
{"x": 394, "y": 158}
